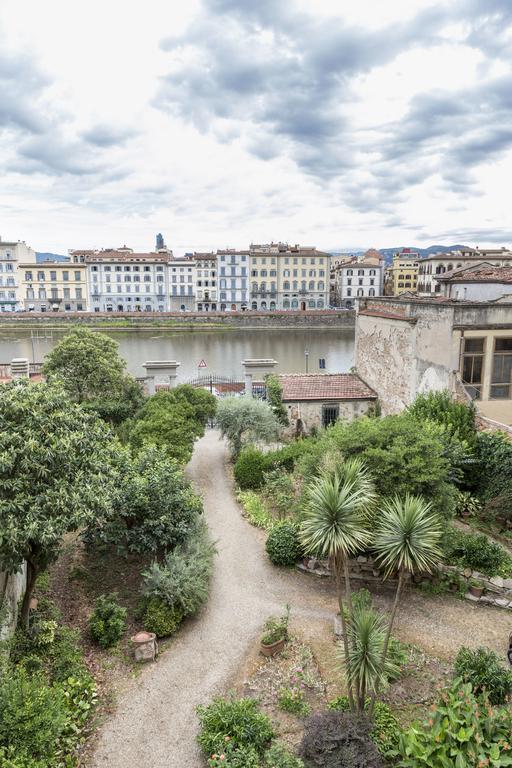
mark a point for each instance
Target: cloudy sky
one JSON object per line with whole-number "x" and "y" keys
{"x": 221, "y": 122}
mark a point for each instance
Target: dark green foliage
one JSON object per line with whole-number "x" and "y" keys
{"x": 281, "y": 493}
{"x": 238, "y": 719}
{"x": 108, "y": 621}
{"x": 485, "y": 671}
{"x": 275, "y": 398}
{"x": 161, "y": 618}
{"x": 385, "y": 727}
{"x": 235, "y": 757}
{"x": 334, "y": 739}
{"x": 498, "y": 511}
{"x": 462, "y": 730}
{"x": 476, "y": 551}
{"x": 280, "y": 757}
{"x": 493, "y": 473}
{"x": 153, "y": 509}
{"x": 458, "y": 418}
{"x": 182, "y": 581}
{"x": 172, "y": 420}
{"x": 250, "y": 467}
{"x": 283, "y": 545}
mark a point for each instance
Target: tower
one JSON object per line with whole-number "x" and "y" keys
{"x": 160, "y": 245}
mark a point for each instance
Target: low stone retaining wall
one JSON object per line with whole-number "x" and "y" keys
{"x": 497, "y": 591}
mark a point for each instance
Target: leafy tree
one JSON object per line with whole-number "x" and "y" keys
{"x": 55, "y": 475}
{"x": 407, "y": 540}
{"x": 172, "y": 420}
{"x": 246, "y": 419}
{"x": 153, "y": 508}
{"x": 275, "y": 398}
{"x": 493, "y": 472}
{"x": 334, "y": 526}
{"x": 88, "y": 366}
{"x": 440, "y": 407}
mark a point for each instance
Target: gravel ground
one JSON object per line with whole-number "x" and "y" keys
{"x": 155, "y": 723}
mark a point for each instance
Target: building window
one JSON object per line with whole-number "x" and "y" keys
{"x": 501, "y": 369}
{"x": 40, "y": 275}
{"x": 472, "y": 366}
{"x": 330, "y": 414}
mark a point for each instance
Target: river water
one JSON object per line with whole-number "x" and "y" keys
{"x": 221, "y": 350}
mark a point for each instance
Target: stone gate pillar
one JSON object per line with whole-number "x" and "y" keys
{"x": 160, "y": 372}
{"x": 255, "y": 369}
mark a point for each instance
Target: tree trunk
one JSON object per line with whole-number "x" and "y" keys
{"x": 401, "y": 578}
{"x": 32, "y": 574}
{"x": 338, "y": 566}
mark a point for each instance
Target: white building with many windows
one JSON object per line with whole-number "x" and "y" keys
{"x": 233, "y": 280}
{"x": 12, "y": 254}
{"x": 182, "y": 284}
{"x": 358, "y": 279}
{"x": 120, "y": 280}
{"x": 206, "y": 282}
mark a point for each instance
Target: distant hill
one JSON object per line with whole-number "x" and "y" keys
{"x": 40, "y": 257}
{"x": 423, "y": 252}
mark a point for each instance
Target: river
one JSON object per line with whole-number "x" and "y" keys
{"x": 222, "y": 351}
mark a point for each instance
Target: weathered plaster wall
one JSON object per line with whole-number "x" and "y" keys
{"x": 310, "y": 412}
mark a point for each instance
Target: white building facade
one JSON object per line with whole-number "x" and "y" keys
{"x": 182, "y": 284}
{"x": 356, "y": 280}
{"x": 12, "y": 254}
{"x": 206, "y": 282}
{"x": 443, "y": 264}
{"x": 233, "y": 280}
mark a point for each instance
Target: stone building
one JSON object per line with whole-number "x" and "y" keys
{"x": 407, "y": 346}
{"x": 233, "y": 277}
{"x": 206, "y": 282}
{"x": 12, "y": 254}
{"x": 482, "y": 282}
{"x": 318, "y": 400}
{"x": 54, "y": 286}
{"x": 182, "y": 284}
{"x": 434, "y": 268}
{"x": 358, "y": 278}
{"x": 402, "y": 275}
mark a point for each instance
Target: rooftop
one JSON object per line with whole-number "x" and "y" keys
{"x": 325, "y": 386}
{"x": 124, "y": 256}
{"x": 487, "y": 274}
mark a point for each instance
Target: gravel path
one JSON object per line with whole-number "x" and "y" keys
{"x": 155, "y": 723}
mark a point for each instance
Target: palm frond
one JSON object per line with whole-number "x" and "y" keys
{"x": 365, "y": 667}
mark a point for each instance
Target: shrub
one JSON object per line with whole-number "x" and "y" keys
{"x": 238, "y": 719}
{"x": 108, "y": 621}
{"x": 333, "y": 739}
{"x": 467, "y": 505}
{"x": 33, "y": 717}
{"x": 276, "y": 629}
{"x": 161, "y": 618}
{"x": 483, "y": 669}
{"x": 279, "y": 757}
{"x": 458, "y": 418}
{"x": 385, "y": 727}
{"x": 280, "y": 493}
{"x": 283, "y": 545}
{"x": 292, "y": 700}
{"x": 498, "y": 511}
{"x": 476, "y": 551}
{"x": 250, "y": 467}
{"x": 245, "y": 420}
{"x": 182, "y": 581}
{"x": 274, "y": 390}
{"x": 255, "y": 510}
{"x": 462, "y": 730}
{"x": 235, "y": 757}
{"x": 493, "y": 473}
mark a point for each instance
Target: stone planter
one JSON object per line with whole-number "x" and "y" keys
{"x": 145, "y": 647}
{"x": 272, "y": 648}
{"x": 475, "y": 590}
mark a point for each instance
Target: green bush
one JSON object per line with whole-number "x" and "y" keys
{"x": 33, "y": 717}
{"x": 108, "y": 621}
{"x": 255, "y": 509}
{"x": 249, "y": 468}
{"x": 292, "y": 700}
{"x": 182, "y": 581}
{"x": 483, "y": 669}
{"x": 385, "y": 727}
{"x": 235, "y": 757}
{"x": 493, "y": 472}
{"x": 283, "y": 545}
{"x": 462, "y": 730}
{"x": 280, "y": 493}
{"x": 457, "y": 418}
{"x": 334, "y": 739}
{"x": 280, "y": 757}
{"x": 274, "y": 390}
{"x": 237, "y": 719}
{"x": 161, "y": 618}
{"x": 476, "y": 551}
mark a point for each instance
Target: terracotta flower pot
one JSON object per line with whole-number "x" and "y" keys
{"x": 476, "y": 591}
{"x": 272, "y": 648}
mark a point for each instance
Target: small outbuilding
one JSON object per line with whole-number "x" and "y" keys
{"x": 317, "y": 400}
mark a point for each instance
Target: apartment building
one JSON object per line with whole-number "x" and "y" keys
{"x": 263, "y": 264}
{"x": 402, "y": 275}
{"x": 53, "y": 286}
{"x": 182, "y": 284}
{"x": 482, "y": 282}
{"x": 233, "y": 278}
{"x": 206, "y": 283}
{"x": 120, "y": 280}
{"x": 443, "y": 264}
{"x": 289, "y": 277}
{"x": 357, "y": 278}
{"x": 12, "y": 253}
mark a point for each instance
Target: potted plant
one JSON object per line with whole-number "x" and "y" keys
{"x": 275, "y": 634}
{"x": 476, "y": 588}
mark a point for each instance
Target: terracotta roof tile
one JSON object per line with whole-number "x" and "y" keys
{"x": 485, "y": 275}
{"x": 325, "y": 386}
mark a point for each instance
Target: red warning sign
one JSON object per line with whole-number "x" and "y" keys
{"x": 202, "y": 364}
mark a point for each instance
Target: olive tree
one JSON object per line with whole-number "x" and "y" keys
{"x": 246, "y": 419}
{"x": 55, "y": 475}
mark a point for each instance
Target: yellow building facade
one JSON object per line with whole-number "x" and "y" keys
{"x": 54, "y": 287}
{"x": 403, "y": 274}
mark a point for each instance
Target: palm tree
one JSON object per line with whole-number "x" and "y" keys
{"x": 365, "y": 670}
{"x": 406, "y": 541}
{"x": 335, "y": 525}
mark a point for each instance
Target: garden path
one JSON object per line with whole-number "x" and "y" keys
{"x": 155, "y": 724}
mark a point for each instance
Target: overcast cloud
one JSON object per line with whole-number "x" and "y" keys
{"x": 226, "y": 121}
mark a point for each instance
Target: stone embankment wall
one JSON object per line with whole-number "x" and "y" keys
{"x": 12, "y": 589}
{"x": 497, "y": 591}
{"x": 313, "y": 319}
